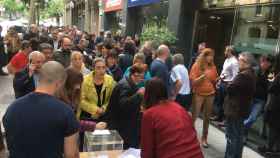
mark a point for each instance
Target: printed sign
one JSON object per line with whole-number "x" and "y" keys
{"x": 112, "y": 5}
{"x": 134, "y": 3}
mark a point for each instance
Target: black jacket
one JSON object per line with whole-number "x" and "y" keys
{"x": 115, "y": 72}
{"x": 272, "y": 109}
{"x": 261, "y": 85}
{"x": 240, "y": 94}
{"x": 125, "y": 61}
{"x": 3, "y": 56}
{"x": 63, "y": 57}
{"x": 123, "y": 112}
{"x": 23, "y": 84}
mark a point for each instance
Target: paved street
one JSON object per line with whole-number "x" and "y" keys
{"x": 216, "y": 137}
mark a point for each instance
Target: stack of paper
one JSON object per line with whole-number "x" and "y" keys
{"x": 131, "y": 153}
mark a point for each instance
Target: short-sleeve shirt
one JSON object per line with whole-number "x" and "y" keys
{"x": 180, "y": 72}
{"x": 19, "y": 61}
{"x": 36, "y": 126}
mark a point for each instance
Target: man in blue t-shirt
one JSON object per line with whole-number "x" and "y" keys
{"x": 40, "y": 126}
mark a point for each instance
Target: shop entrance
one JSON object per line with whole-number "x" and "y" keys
{"x": 215, "y": 28}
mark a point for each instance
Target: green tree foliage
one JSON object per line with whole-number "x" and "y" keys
{"x": 54, "y": 9}
{"x": 158, "y": 32}
{"x": 13, "y": 6}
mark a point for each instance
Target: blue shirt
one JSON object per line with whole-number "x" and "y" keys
{"x": 36, "y": 125}
{"x": 147, "y": 76}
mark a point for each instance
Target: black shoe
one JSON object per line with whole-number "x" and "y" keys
{"x": 216, "y": 119}
{"x": 2, "y": 73}
{"x": 264, "y": 149}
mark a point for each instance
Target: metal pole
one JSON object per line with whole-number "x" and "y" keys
{"x": 38, "y": 13}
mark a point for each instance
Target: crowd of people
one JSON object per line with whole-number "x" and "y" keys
{"x": 67, "y": 82}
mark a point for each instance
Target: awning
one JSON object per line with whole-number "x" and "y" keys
{"x": 112, "y": 5}
{"x": 134, "y": 3}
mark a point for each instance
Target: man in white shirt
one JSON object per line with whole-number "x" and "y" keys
{"x": 180, "y": 78}
{"x": 230, "y": 70}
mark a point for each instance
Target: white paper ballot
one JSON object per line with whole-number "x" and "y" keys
{"x": 101, "y": 132}
{"x": 131, "y": 153}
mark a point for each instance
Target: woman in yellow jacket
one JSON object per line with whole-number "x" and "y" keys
{"x": 96, "y": 92}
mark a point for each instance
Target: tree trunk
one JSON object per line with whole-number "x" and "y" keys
{"x": 32, "y": 12}
{"x": 57, "y": 20}
{"x": 10, "y": 16}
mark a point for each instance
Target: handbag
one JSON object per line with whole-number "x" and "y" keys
{"x": 86, "y": 122}
{"x": 86, "y": 125}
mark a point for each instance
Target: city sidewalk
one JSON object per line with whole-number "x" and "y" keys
{"x": 217, "y": 143}
{"x": 216, "y": 138}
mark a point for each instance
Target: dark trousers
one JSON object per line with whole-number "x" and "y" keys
{"x": 234, "y": 137}
{"x": 1, "y": 140}
{"x": 3, "y": 60}
{"x": 219, "y": 100}
{"x": 274, "y": 139}
{"x": 184, "y": 100}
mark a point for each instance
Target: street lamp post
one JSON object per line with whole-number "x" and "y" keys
{"x": 71, "y": 5}
{"x": 37, "y": 6}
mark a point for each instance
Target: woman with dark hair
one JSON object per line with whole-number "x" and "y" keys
{"x": 96, "y": 92}
{"x": 71, "y": 95}
{"x": 113, "y": 68}
{"x": 126, "y": 58}
{"x": 162, "y": 134}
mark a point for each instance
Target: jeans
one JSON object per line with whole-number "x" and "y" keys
{"x": 219, "y": 100}
{"x": 234, "y": 137}
{"x": 256, "y": 110}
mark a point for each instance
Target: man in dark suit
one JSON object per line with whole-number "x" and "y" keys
{"x": 26, "y": 80}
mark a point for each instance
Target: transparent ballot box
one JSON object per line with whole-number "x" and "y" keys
{"x": 102, "y": 140}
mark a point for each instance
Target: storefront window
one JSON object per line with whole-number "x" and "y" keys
{"x": 256, "y": 29}
{"x": 229, "y": 3}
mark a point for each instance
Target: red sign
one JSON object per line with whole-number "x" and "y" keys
{"x": 113, "y": 5}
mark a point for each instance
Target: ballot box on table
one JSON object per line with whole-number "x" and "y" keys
{"x": 102, "y": 140}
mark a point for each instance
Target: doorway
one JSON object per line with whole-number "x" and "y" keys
{"x": 215, "y": 28}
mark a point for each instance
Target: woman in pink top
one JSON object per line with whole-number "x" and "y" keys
{"x": 167, "y": 130}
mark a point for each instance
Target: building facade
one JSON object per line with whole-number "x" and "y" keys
{"x": 249, "y": 25}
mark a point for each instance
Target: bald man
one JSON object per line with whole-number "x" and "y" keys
{"x": 38, "y": 125}
{"x": 63, "y": 55}
{"x": 158, "y": 67}
{"x": 26, "y": 80}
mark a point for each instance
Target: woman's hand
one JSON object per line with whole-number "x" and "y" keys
{"x": 101, "y": 125}
{"x": 100, "y": 111}
{"x": 199, "y": 79}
